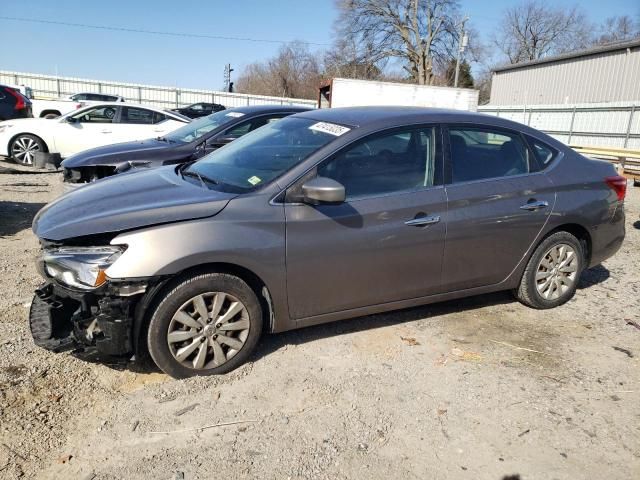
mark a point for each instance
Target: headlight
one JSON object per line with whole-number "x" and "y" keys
{"x": 80, "y": 267}
{"x": 4, "y": 127}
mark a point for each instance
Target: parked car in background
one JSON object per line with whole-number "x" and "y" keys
{"x": 13, "y": 104}
{"x": 95, "y": 97}
{"x": 190, "y": 142}
{"x": 88, "y": 127}
{"x": 321, "y": 216}
{"x": 53, "y": 108}
{"x": 201, "y": 109}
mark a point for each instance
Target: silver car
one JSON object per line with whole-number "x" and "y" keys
{"x": 322, "y": 216}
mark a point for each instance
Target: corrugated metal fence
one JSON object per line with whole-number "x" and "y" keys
{"x": 51, "y": 86}
{"x": 591, "y": 124}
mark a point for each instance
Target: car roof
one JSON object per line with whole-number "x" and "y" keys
{"x": 390, "y": 116}
{"x": 268, "y": 109}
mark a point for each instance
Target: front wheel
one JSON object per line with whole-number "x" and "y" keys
{"x": 208, "y": 324}
{"x": 552, "y": 274}
{"x": 24, "y": 147}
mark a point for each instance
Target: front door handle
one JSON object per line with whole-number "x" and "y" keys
{"x": 105, "y": 131}
{"x": 536, "y": 205}
{"x": 421, "y": 221}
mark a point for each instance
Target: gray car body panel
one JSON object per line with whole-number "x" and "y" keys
{"x": 253, "y": 230}
{"x": 135, "y": 200}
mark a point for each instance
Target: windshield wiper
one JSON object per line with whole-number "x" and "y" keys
{"x": 203, "y": 178}
{"x": 165, "y": 139}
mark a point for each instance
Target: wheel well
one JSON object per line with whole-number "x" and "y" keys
{"x": 46, "y": 147}
{"x": 581, "y": 233}
{"x": 255, "y": 283}
{"x": 47, "y": 112}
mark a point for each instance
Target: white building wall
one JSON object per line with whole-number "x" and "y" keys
{"x": 601, "y": 77}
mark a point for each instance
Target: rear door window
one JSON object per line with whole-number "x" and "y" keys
{"x": 137, "y": 116}
{"x": 484, "y": 153}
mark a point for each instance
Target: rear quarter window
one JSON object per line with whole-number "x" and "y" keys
{"x": 543, "y": 153}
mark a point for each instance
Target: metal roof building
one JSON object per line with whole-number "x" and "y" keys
{"x": 607, "y": 73}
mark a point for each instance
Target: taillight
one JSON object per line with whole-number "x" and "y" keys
{"x": 618, "y": 184}
{"x": 20, "y": 104}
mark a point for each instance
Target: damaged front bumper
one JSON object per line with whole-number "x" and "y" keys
{"x": 97, "y": 323}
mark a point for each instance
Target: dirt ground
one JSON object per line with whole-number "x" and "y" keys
{"x": 483, "y": 388}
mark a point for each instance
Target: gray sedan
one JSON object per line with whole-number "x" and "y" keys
{"x": 322, "y": 216}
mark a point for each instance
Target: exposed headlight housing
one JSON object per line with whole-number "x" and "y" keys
{"x": 80, "y": 267}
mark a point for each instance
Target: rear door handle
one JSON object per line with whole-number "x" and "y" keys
{"x": 421, "y": 221}
{"x": 536, "y": 205}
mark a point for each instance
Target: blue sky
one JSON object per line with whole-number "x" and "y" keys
{"x": 182, "y": 61}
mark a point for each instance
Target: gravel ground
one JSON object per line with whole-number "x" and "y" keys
{"x": 478, "y": 388}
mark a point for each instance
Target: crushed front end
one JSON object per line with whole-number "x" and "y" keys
{"x": 79, "y": 308}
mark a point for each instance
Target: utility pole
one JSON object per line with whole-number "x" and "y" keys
{"x": 463, "y": 41}
{"x": 228, "y": 84}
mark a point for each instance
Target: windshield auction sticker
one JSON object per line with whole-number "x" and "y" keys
{"x": 234, "y": 114}
{"x": 330, "y": 128}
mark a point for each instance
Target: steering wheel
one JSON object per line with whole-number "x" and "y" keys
{"x": 109, "y": 113}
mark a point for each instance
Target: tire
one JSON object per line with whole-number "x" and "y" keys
{"x": 23, "y": 148}
{"x": 200, "y": 346}
{"x": 51, "y": 115}
{"x": 543, "y": 270}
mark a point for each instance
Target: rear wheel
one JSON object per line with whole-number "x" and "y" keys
{"x": 208, "y": 324}
{"x": 552, "y": 274}
{"x": 24, "y": 147}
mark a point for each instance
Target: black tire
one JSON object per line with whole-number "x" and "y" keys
{"x": 50, "y": 116}
{"x": 527, "y": 292}
{"x": 26, "y": 142}
{"x": 182, "y": 292}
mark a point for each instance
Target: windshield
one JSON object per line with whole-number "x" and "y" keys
{"x": 199, "y": 127}
{"x": 262, "y": 155}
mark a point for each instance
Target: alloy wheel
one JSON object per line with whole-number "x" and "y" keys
{"x": 24, "y": 149}
{"x": 208, "y": 330}
{"x": 557, "y": 271}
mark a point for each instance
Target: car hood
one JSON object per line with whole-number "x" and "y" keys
{"x": 122, "y": 152}
{"x": 127, "y": 202}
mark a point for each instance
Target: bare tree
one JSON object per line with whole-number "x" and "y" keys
{"x": 616, "y": 29}
{"x": 534, "y": 30}
{"x": 347, "y": 59}
{"x": 421, "y": 33}
{"x": 293, "y": 72}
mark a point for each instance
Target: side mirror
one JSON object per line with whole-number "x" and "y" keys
{"x": 323, "y": 190}
{"x": 71, "y": 120}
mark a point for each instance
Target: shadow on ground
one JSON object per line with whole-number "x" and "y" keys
{"x": 16, "y": 216}
{"x": 593, "y": 276}
{"x": 271, "y": 343}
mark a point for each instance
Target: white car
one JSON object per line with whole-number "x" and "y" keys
{"x": 88, "y": 127}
